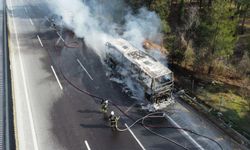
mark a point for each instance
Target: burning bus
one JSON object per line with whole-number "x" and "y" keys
{"x": 154, "y": 78}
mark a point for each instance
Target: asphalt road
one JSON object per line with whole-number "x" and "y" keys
{"x": 51, "y": 110}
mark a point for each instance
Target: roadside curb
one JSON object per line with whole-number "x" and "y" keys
{"x": 9, "y": 131}
{"x": 233, "y": 134}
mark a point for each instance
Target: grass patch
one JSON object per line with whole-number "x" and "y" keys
{"x": 234, "y": 107}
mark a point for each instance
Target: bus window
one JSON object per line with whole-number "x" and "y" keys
{"x": 163, "y": 80}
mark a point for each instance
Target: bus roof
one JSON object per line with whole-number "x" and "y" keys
{"x": 148, "y": 64}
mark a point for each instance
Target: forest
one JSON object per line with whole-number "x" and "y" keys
{"x": 207, "y": 44}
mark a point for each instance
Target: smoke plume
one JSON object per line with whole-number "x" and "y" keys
{"x": 98, "y": 21}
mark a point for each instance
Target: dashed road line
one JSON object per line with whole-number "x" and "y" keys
{"x": 38, "y": 37}
{"x": 185, "y": 133}
{"x": 31, "y": 22}
{"x": 57, "y": 41}
{"x": 46, "y": 18}
{"x": 130, "y": 107}
{"x": 33, "y": 133}
{"x": 84, "y": 69}
{"x": 57, "y": 79}
{"x": 60, "y": 36}
{"x": 87, "y": 145}
{"x": 26, "y": 10}
{"x": 142, "y": 147}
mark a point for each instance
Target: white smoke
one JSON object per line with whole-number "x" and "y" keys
{"x": 98, "y": 21}
{"x": 77, "y": 17}
{"x": 144, "y": 25}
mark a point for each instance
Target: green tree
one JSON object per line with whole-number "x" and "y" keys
{"x": 136, "y": 4}
{"x": 215, "y": 33}
{"x": 162, "y": 8}
{"x": 181, "y": 10}
{"x": 172, "y": 43}
{"x": 243, "y": 7}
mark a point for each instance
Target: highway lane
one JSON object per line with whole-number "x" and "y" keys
{"x": 67, "y": 59}
{"x": 41, "y": 91}
{"x": 100, "y": 86}
{"x": 65, "y": 118}
{"x": 34, "y": 86}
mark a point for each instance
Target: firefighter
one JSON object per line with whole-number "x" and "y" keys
{"x": 104, "y": 107}
{"x": 113, "y": 121}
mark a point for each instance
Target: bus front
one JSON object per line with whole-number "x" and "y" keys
{"x": 162, "y": 87}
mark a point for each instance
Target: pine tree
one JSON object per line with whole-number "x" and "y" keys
{"x": 215, "y": 36}
{"x": 244, "y": 9}
{"x": 162, "y": 8}
{"x": 181, "y": 10}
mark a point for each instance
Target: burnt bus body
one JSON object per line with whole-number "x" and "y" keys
{"x": 155, "y": 79}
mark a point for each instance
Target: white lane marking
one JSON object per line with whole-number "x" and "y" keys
{"x": 87, "y": 144}
{"x": 130, "y": 107}
{"x": 57, "y": 78}
{"x": 185, "y": 133}
{"x": 46, "y": 18}
{"x": 38, "y": 37}
{"x": 135, "y": 137}
{"x": 60, "y": 36}
{"x": 58, "y": 40}
{"x": 26, "y": 10}
{"x": 31, "y": 22}
{"x": 84, "y": 69}
{"x": 34, "y": 136}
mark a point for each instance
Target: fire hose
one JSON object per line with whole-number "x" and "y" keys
{"x": 142, "y": 119}
{"x": 164, "y": 137}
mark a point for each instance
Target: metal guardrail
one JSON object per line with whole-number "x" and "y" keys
{"x": 8, "y": 138}
{"x": 217, "y": 121}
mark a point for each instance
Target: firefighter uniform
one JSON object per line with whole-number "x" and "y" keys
{"x": 113, "y": 121}
{"x": 104, "y": 107}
